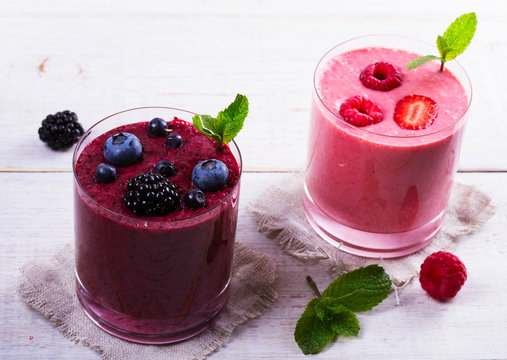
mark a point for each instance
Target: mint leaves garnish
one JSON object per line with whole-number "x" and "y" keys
{"x": 227, "y": 124}
{"x": 454, "y": 41}
{"x": 332, "y": 313}
{"x": 313, "y": 333}
{"x": 361, "y": 289}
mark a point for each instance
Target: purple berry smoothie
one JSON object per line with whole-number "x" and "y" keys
{"x": 371, "y": 189}
{"x": 154, "y": 279}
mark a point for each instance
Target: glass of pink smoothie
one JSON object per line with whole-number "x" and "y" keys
{"x": 162, "y": 279}
{"x": 382, "y": 190}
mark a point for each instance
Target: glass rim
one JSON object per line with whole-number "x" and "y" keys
{"x": 144, "y": 219}
{"x": 362, "y": 130}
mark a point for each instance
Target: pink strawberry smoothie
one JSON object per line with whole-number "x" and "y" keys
{"x": 382, "y": 178}
{"x": 153, "y": 276}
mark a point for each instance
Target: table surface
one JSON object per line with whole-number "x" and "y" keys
{"x": 96, "y": 58}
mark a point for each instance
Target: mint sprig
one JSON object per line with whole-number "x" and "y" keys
{"x": 227, "y": 124}
{"x": 455, "y": 40}
{"x": 332, "y": 313}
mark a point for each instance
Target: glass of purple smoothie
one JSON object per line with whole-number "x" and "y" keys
{"x": 153, "y": 279}
{"x": 382, "y": 189}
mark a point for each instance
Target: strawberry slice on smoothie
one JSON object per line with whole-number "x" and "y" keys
{"x": 415, "y": 112}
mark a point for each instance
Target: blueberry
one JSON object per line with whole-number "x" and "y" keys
{"x": 194, "y": 199}
{"x": 123, "y": 149}
{"x": 157, "y": 127}
{"x": 165, "y": 168}
{"x": 210, "y": 175}
{"x": 105, "y": 173}
{"x": 173, "y": 141}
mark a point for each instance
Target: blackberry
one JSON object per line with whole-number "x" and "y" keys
{"x": 151, "y": 194}
{"x": 61, "y": 130}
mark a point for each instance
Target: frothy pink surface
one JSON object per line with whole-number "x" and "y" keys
{"x": 341, "y": 80}
{"x": 372, "y": 182}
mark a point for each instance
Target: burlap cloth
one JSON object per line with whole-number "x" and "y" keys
{"x": 279, "y": 215}
{"x": 48, "y": 286}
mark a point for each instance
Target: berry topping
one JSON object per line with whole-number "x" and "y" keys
{"x": 123, "y": 149}
{"x": 210, "y": 175}
{"x": 105, "y": 173}
{"x": 173, "y": 141}
{"x": 157, "y": 127}
{"x": 380, "y": 76}
{"x": 360, "y": 111}
{"x": 61, "y": 130}
{"x": 151, "y": 194}
{"x": 194, "y": 199}
{"x": 442, "y": 275}
{"x": 165, "y": 168}
{"x": 415, "y": 112}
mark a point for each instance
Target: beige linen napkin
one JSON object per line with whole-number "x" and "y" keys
{"x": 47, "y": 285}
{"x": 279, "y": 215}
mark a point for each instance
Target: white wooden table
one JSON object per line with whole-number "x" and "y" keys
{"x": 96, "y": 58}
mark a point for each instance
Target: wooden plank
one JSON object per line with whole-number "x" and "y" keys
{"x": 97, "y": 59}
{"x": 257, "y": 8}
{"x": 37, "y": 220}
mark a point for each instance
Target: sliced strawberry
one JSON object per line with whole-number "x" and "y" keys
{"x": 415, "y": 112}
{"x": 360, "y": 111}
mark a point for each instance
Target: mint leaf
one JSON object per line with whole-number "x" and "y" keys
{"x": 199, "y": 124}
{"x": 361, "y": 289}
{"x": 331, "y": 313}
{"x": 455, "y": 40}
{"x": 205, "y": 124}
{"x": 214, "y": 128}
{"x": 328, "y": 307}
{"x": 345, "y": 323}
{"x": 209, "y": 122}
{"x": 441, "y": 45}
{"x": 342, "y": 320}
{"x": 237, "y": 113}
{"x": 312, "y": 334}
{"x": 227, "y": 124}
{"x": 458, "y": 36}
{"x": 321, "y": 309}
{"x": 422, "y": 60}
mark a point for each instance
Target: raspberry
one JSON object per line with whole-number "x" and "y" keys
{"x": 380, "y": 76}
{"x": 442, "y": 275}
{"x": 360, "y": 111}
{"x": 61, "y": 130}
